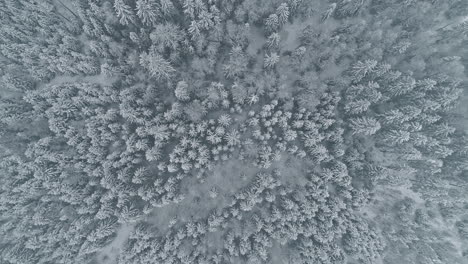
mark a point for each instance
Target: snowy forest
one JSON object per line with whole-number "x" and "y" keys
{"x": 233, "y": 131}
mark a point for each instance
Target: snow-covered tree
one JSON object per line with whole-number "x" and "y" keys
{"x": 147, "y": 11}
{"x": 361, "y": 68}
{"x": 328, "y": 12}
{"x": 364, "y": 125}
{"x": 272, "y": 22}
{"x": 273, "y": 40}
{"x": 283, "y": 13}
{"x": 157, "y": 66}
{"x": 124, "y": 12}
{"x": 271, "y": 60}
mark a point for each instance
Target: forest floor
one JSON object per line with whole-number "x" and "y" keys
{"x": 108, "y": 254}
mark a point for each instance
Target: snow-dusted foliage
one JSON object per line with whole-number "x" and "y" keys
{"x": 236, "y": 131}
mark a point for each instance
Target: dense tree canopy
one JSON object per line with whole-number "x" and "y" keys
{"x": 234, "y": 131}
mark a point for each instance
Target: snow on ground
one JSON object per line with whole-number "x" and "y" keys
{"x": 256, "y": 40}
{"x": 99, "y": 79}
{"x": 227, "y": 177}
{"x": 292, "y": 170}
{"x": 290, "y": 34}
{"x": 462, "y": 109}
{"x": 108, "y": 254}
{"x": 279, "y": 254}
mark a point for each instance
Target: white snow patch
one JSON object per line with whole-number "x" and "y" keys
{"x": 108, "y": 254}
